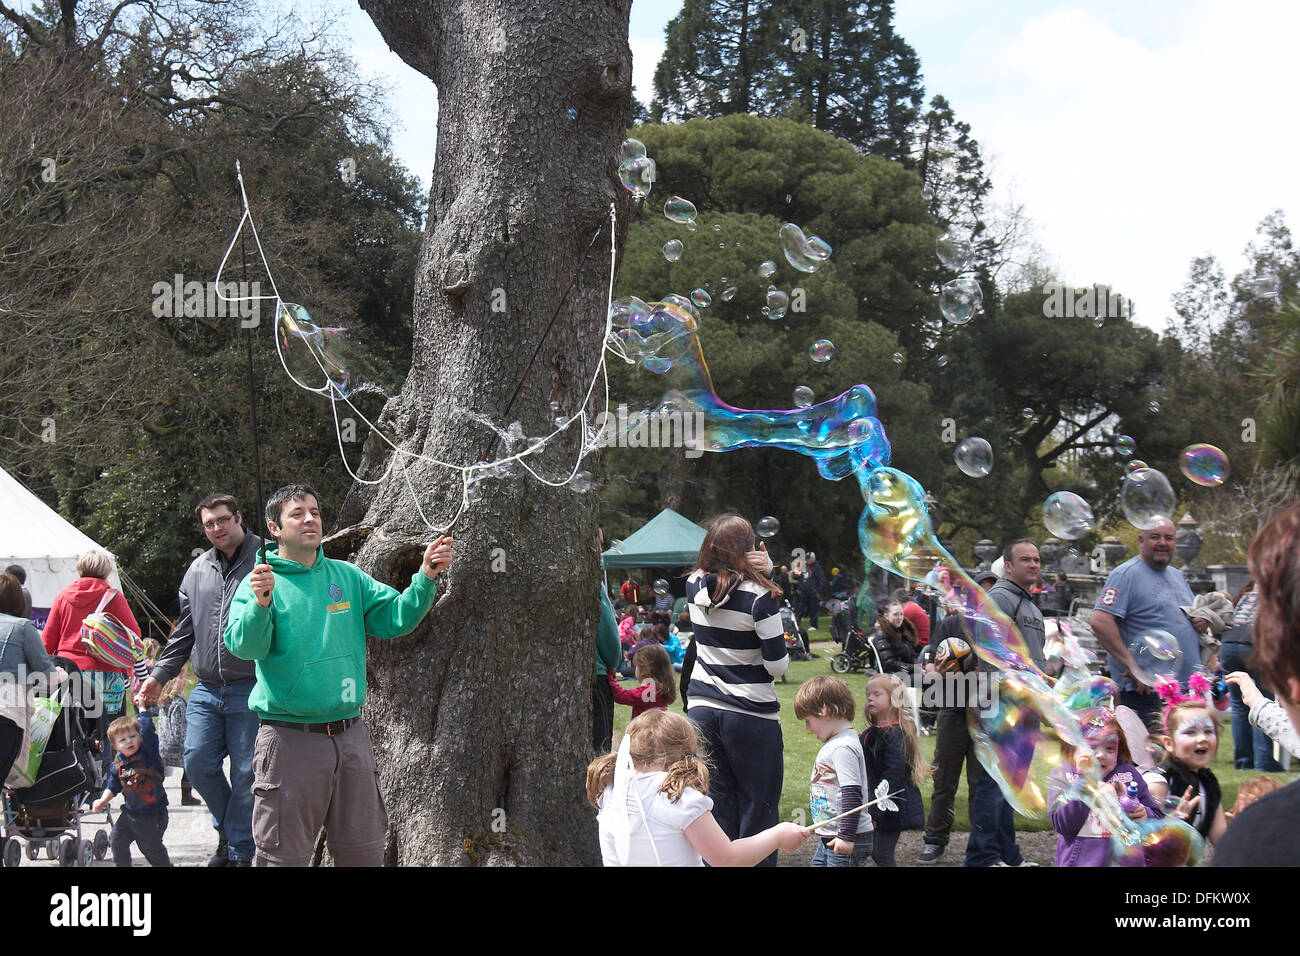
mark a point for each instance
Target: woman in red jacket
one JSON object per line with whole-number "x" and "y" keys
{"x": 62, "y": 635}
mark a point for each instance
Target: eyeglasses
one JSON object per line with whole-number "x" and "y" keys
{"x": 216, "y": 523}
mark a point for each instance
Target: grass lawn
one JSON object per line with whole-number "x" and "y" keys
{"x": 801, "y": 748}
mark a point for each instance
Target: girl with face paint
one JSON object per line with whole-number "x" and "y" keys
{"x": 1184, "y": 781}
{"x": 1084, "y": 839}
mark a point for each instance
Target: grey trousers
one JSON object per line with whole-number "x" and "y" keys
{"x": 303, "y": 782}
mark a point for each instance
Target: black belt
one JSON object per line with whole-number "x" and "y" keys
{"x": 331, "y": 729}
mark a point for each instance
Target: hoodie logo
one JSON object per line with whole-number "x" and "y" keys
{"x": 338, "y": 607}
{"x": 335, "y": 592}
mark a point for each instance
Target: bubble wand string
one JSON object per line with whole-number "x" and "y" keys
{"x": 252, "y": 382}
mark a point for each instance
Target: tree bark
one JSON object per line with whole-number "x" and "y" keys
{"x": 481, "y": 719}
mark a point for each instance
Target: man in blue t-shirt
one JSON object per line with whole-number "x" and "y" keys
{"x": 1142, "y": 595}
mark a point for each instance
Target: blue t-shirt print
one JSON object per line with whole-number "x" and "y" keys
{"x": 1142, "y": 600}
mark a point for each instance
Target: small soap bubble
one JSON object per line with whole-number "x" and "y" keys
{"x": 637, "y": 175}
{"x": 1157, "y": 654}
{"x": 1067, "y": 516}
{"x": 821, "y": 351}
{"x": 767, "y": 527}
{"x": 803, "y": 396}
{"x": 690, "y": 226}
{"x": 581, "y": 481}
{"x": 717, "y": 227}
{"x": 960, "y": 300}
{"x": 1204, "y": 465}
{"x": 802, "y": 252}
{"x": 673, "y": 250}
{"x": 859, "y": 430}
{"x": 974, "y": 457}
{"x": 1027, "y": 413}
{"x": 898, "y": 358}
{"x": 573, "y": 114}
{"x": 927, "y": 193}
{"x": 630, "y": 149}
{"x": 728, "y": 293}
{"x": 777, "y": 304}
{"x": 616, "y": 546}
{"x": 1135, "y": 464}
{"x": 943, "y": 361}
{"x": 1153, "y": 408}
{"x": 788, "y": 199}
{"x": 954, "y": 251}
{"x": 1147, "y": 498}
{"x": 1099, "y": 321}
{"x": 701, "y": 298}
{"x": 679, "y": 210}
{"x": 1125, "y": 445}
{"x": 767, "y": 268}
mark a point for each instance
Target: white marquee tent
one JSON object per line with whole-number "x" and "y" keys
{"x": 34, "y": 535}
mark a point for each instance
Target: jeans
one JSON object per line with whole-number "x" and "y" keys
{"x": 993, "y": 828}
{"x": 1251, "y": 747}
{"x": 219, "y": 724}
{"x": 825, "y": 856}
{"x": 146, "y": 831}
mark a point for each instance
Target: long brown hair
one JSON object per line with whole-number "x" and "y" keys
{"x": 653, "y": 661}
{"x": 1275, "y": 565}
{"x": 658, "y": 736}
{"x": 729, "y": 539}
{"x": 911, "y": 749}
{"x": 11, "y": 596}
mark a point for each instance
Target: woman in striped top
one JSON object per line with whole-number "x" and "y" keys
{"x": 740, "y": 649}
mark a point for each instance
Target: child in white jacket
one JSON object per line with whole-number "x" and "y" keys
{"x": 1266, "y": 714}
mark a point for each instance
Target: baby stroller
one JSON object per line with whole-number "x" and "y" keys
{"x": 45, "y": 816}
{"x": 840, "y": 623}
{"x": 796, "y": 640}
{"x": 860, "y": 653}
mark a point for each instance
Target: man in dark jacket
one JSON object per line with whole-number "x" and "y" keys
{"x": 218, "y": 720}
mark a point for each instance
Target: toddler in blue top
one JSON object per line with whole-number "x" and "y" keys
{"x": 137, "y": 773}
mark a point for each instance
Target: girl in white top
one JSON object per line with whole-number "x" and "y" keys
{"x": 654, "y": 809}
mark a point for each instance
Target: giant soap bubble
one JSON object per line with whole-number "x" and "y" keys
{"x": 1147, "y": 498}
{"x": 1066, "y": 515}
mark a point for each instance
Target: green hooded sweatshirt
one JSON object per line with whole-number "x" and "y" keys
{"x": 310, "y": 644}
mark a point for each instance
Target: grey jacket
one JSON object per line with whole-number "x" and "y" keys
{"x": 1018, "y": 604}
{"x": 205, "y": 595}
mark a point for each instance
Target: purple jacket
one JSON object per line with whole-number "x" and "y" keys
{"x": 1083, "y": 841}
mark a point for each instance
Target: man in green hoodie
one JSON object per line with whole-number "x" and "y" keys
{"x": 303, "y": 618}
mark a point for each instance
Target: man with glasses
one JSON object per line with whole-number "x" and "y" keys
{"x": 218, "y": 720}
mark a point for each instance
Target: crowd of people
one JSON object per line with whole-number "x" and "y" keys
{"x": 659, "y": 798}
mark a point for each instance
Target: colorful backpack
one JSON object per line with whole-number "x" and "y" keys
{"x": 107, "y": 639}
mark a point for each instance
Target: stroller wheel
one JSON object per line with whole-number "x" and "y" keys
{"x": 840, "y": 664}
{"x": 52, "y": 848}
{"x": 67, "y": 853}
{"x": 13, "y": 852}
{"x": 101, "y": 845}
{"x": 33, "y": 850}
{"x": 85, "y": 852}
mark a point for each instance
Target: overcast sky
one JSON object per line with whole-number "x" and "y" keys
{"x": 1136, "y": 136}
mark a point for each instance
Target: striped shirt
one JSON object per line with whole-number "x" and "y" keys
{"x": 741, "y": 648}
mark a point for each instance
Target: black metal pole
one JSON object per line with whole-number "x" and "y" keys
{"x": 252, "y": 407}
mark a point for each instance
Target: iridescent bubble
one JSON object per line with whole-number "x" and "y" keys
{"x": 1204, "y": 465}
{"x": 927, "y": 193}
{"x": 766, "y": 268}
{"x": 1027, "y": 413}
{"x": 673, "y": 250}
{"x": 717, "y": 227}
{"x": 1153, "y": 408}
{"x": 679, "y": 210}
{"x": 616, "y": 546}
{"x": 803, "y": 396}
{"x": 823, "y": 350}
{"x": 637, "y": 175}
{"x": 804, "y": 253}
{"x": 628, "y": 311}
{"x": 777, "y": 304}
{"x": 1125, "y": 445}
{"x": 960, "y": 300}
{"x": 728, "y": 293}
{"x": 943, "y": 361}
{"x": 573, "y": 114}
{"x": 1099, "y": 321}
{"x": 954, "y": 251}
{"x": 859, "y": 429}
{"x": 767, "y": 527}
{"x": 1136, "y": 464}
{"x": 701, "y": 298}
{"x": 309, "y": 353}
{"x": 1156, "y": 654}
{"x": 581, "y": 481}
{"x": 630, "y": 149}
{"x": 1147, "y": 498}
{"x": 690, "y": 226}
{"x": 898, "y": 358}
{"x": 974, "y": 457}
{"x": 1066, "y": 515}
{"x": 1160, "y": 843}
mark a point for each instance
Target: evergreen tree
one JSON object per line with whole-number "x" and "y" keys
{"x": 713, "y": 62}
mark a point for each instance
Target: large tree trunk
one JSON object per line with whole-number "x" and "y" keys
{"x": 482, "y": 718}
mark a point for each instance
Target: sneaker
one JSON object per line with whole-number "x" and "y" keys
{"x": 222, "y": 856}
{"x": 930, "y": 853}
{"x": 1026, "y": 863}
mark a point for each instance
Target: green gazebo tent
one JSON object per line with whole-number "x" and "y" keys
{"x": 666, "y": 541}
